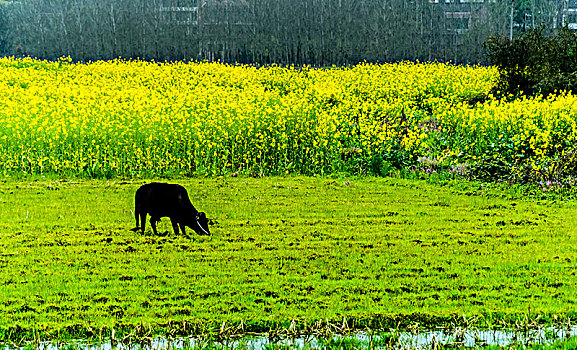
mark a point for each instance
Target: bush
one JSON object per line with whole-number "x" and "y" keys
{"x": 535, "y": 63}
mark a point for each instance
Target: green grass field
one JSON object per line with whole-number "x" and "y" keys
{"x": 318, "y": 255}
{"x": 379, "y": 252}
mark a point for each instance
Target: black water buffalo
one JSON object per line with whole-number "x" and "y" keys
{"x": 167, "y": 200}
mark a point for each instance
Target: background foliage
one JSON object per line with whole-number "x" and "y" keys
{"x": 535, "y": 63}
{"x": 316, "y": 32}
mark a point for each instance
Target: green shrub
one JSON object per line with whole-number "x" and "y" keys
{"x": 535, "y": 63}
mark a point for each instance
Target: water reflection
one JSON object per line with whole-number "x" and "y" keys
{"x": 383, "y": 340}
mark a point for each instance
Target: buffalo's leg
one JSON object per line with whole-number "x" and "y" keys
{"x": 182, "y": 228}
{"x": 142, "y": 222}
{"x": 137, "y": 217}
{"x": 174, "y": 225}
{"x": 153, "y": 221}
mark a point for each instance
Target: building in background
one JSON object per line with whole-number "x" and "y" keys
{"x": 215, "y": 24}
{"x": 460, "y": 12}
{"x": 571, "y": 14}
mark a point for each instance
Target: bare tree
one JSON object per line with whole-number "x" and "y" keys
{"x": 318, "y": 32}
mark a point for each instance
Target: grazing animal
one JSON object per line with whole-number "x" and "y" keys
{"x": 167, "y": 200}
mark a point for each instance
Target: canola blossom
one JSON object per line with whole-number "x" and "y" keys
{"x": 537, "y": 135}
{"x": 136, "y": 118}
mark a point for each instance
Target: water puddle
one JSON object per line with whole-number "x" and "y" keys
{"x": 382, "y": 340}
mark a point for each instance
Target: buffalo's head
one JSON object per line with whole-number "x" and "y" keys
{"x": 201, "y": 224}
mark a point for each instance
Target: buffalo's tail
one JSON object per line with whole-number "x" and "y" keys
{"x": 136, "y": 213}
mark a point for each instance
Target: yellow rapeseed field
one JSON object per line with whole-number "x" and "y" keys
{"x": 534, "y": 137}
{"x": 135, "y": 118}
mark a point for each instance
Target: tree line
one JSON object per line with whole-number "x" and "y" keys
{"x": 316, "y": 32}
